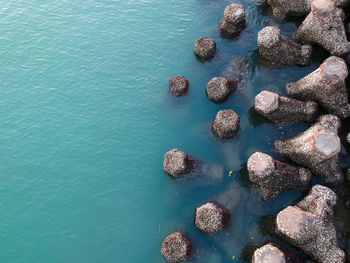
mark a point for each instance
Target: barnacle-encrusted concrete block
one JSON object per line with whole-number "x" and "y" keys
{"x": 274, "y": 177}
{"x": 279, "y": 108}
{"x": 326, "y": 86}
{"x": 211, "y": 218}
{"x": 177, "y": 163}
{"x": 226, "y": 124}
{"x": 286, "y": 8}
{"x": 309, "y": 226}
{"x": 273, "y": 253}
{"x": 279, "y": 50}
{"x": 219, "y": 89}
{"x": 324, "y": 26}
{"x": 178, "y": 85}
{"x": 317, "y": 148}
{"x": 233, "y": 21}
{"x": 176, "y": 247}
{"x": 205, "y": 48}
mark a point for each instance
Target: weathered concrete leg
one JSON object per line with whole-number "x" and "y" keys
{"x": 273, "y": 253}
{"x": 309, "y": 226}
{"x": 274, "y": 177}
{"x": 279, "y": 50}
{"x": 284, "y": 8}
{"x": 326, "y": 85}
{"x": 317, "y": 148}
{"x": 324, "y": 26}
{"x": 279, "y": 108}
{"x": 233, "y": 21}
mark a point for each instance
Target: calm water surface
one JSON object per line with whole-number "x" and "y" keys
{"x": 86, "y": 117}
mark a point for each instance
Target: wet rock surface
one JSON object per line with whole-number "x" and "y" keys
{"x": 274, "y": 177}
{"x": 279, "y": 108}
{"x": 226, "y": 124}
{"x": 326, "y": 86}
{"x": 211, "y": 218}
{"x": 278, "y": 50}
{"x": 233, "y": 20}
{"x": 178, "y": 85}
{"x": 309, "y": 226}
{"x": 176, "y": 248}
{"x": 205, "y": 48}
{"x": 177, "y": 163}
{"x": 273, "y": 253}
{"x": 324, "y": 26}
{"x": 219, "y": 89}
{"x": 317, "y": 148}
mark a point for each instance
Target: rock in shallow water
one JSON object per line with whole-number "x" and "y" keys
{"x": 177, "y": 163}
{"x": 309, "y": 226}
{"x": 279, "y": 108}
{"x": 219, "y": 89}
{"x": 326, "y": 86}
{"x": 205, "y": 48}
{"x": 178, "y": 85}
{"x": 324, "y": 26}
{"x": 274, "y": 177}
{"x": 278, "y": 50}
{"x": 176, "y": 248}
{"x": 273, "y": 253}
{"x": 233, "y": 21}
{"x": 226, "y": 124}
{"x": 317, "y": 148}
{"x": 211, "y": 218}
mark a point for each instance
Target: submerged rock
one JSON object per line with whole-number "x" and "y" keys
{"x": 178, "y": 85}
{"x": 205, "y": 48}
{"x": 233, "y": 21}
{"x": 279, "y": 50}
{"x": 176, "y": 247}
{"x": 274, "y": 177}
{"x": 177, "y": 163}
{"x": 279, "y": 108}
{"x": 286, "y": 8}
{"x": 239, "y": 68}
{"x": 326, "y": 85}
{"x": 211, "y": 218}
{"x": 226, "y": 124}
{"x": 324, "y": 26}
{"x": 317, "y": 148}
{"x": 309, "y": 226}
{"x": 219, "y": 88}
{"x": 273, "y": 253}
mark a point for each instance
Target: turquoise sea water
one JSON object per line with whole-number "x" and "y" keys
{"x": 86, "y": 117}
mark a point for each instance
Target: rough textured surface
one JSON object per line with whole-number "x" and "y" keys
{"x": 211, "y": 218}
{"x": 219, "y": 89}
{"x": 178, "y": 85}
{"x": 317, "y": 148}
{"x": 177, "y": 163}
{"x": 285, "y": 8}
{"x": 240, "y": 69}
{"x": 279, "y": 50}
{"x": 324, "y": 26}
{"x": 326, "y": 85}
{"x": 273, "y": 253}
{"x": 273, "y": 177}
{"x": 309, "y": 226}
{"x": 176, "y": 248}
{"x": 279, "y": 108}
{"x": 226, "y": 124}
{"x": 205, "y": 48}
{"x": 233, "y": 21}
{"x": 348, "y": 137}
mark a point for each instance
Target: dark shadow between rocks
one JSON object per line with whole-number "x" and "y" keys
{"x": 256, "y": 119}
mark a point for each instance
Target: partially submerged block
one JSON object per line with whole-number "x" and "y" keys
{"x": 178, "y": 85}
{"x": 226, "y": 124}
{"x": 326, "y": 86}
{"x": 211, "y": 218}
{"x": 279, "y": 50}
{"x": 309, "y": 226}
{"x": 279, "y": 108}
{"x": 273, "y": 253}
{"x": 324, "y": 26}
{"x": 219, "y": 89}
{"x": 176, "y": 248}
{"x": 233, "y": 21}
{"x": 317, "y": 148}
{"x": 274, "y": 177}
{"x": 177, "y": 163}
{"x": 205, "y": 48}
